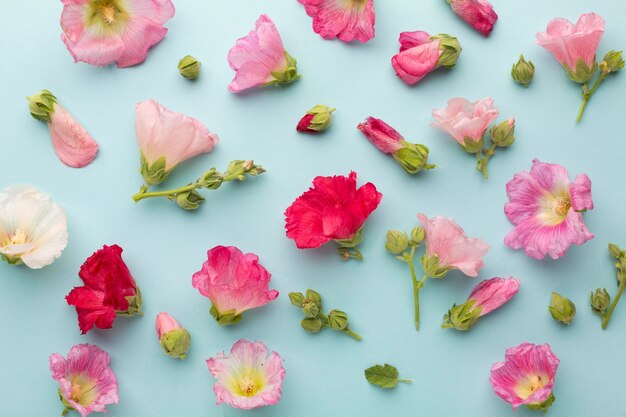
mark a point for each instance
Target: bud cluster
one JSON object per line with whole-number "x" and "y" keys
{"x": 601, "y": 299}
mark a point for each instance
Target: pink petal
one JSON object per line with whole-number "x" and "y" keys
{"x": 380, "y": 134}
{"x": 72, "y": 144}
{"x": 580, "y": 193}
{"x": 139, "y": 36}
{"x": 479, "y": 14}
{"x": 342, "y": 19}
{"x": 410, "y": 40}
{"x": 415, "y": 63}
{"x": 493, "y": 293}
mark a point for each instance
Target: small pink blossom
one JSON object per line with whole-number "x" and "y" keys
{"x": 414, "y": 62}
{"x": 380, "y": 134}
{"x": 249, "y": 377}
{"x": 347, "y": 20}
{"x": 493, "y": 293}
{"x": 86, "y": 382}
{"x": 479, "y": 14}
{"x": 260, "y": 59}
{"x": 234, "y": 282}
{"x": 101, "y": 32}
{"x": 465, "y": 120}
{"x": 165, "y": 324}
{"x": 526, "y": 377}
{"x": 546, "y": 209}
{"x": 72, "y": 144}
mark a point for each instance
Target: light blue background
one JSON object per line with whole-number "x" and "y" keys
{"x": 164, "y": 246}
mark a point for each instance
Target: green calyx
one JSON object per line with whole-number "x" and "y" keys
{"x": 473, "y": 146}
{"x": 189, "y": 67}
{"x": 612, "y": 62}
{"x": 175, "y": 343}
{"x": 41, "y": 105}
{"x": 503, "y": 134}
{"x": 289, "y": 75}
{"x": 451, "y": 50}
{"x": 542, "y": 406}
{"x": 67, "y": 407}
{"x": 153, "y": 174}
{"x": 600, "y": 301}
{"x": 523, "y": 71}
{"x": 349, "y": 248}
{"x": 227, "y": 318}
{"x": 412, "y": 157}
{"x": 12, "y": 260}
{"x": 322, "y": 117}
{"x": 135, "y": 304}
{"x": 582, "y": 73}
{"x": 562, "y": 309}
{"x": 431, "y": 267}
{"x": 462, "y": 317}
{"x": 397, "y": 242}
{"x": 189, "y": 200}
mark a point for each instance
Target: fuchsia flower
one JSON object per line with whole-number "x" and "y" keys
{"x": 101, "y": 32}
{"x": 465, "y": 121}
{"x": 347, "y": 20}
{"x": 479, "y": 14}
{"x": 248, "y": 377}
{"x": 448, "y": 248}
{"x": 234, "y": 282}
{"x": 86, "y": 382}
{"x": 526, "y": 377}
{"x": 546, "y": 209}
{"x": 333, "y": 209}
{"x": 421, "y": 54}
{"x": 259, "y": 59}
{"x": 486, "y": 297}
{"x": 166, "y": 139}
{"x": 574, "y": 46}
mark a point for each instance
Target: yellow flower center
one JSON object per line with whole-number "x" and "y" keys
{"x": 108, "y": 13}
{"x": 84, "y": 391}
{"x": 76, "y": 393}
{"x": 18, "y": 238}
{"x": 247, "y": 386}
{"x": 529, "y": 385}
{"x": 106, "y": 17}
{"x": 560, "y": 206}
{"x": 555, "y": 207}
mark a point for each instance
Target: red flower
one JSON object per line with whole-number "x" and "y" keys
{"x": 333, "y": 209}
{"x": 109, "y": 290}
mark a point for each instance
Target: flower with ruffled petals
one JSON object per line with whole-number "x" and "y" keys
{"x": 259, "y": 59}
{"x": 86, "y": 382}
{"x": 234, "y": 282}
{"x": 448, "y": 248}
{"x": 174, "y": 338}
{"x": 101, "y": 32}
{"x": 479, "y": 14}
{"x": 526, "y": 377}
{"x": 347, "y": 20}
{"x": 411, "y": 156}
{"x": 167, "y": 138}
{"x": 574, "y": 46}
{"x": 486, "y": 297}
{"x": 249, "y": 377}
{"x": 333, "y": 209}
{"x": 33, "y": 229}
{"x": 466, "y": 121}
{"x": 109, "y": 289}
{"x": 546, "y": 209}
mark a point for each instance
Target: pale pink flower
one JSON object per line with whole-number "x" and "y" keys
{"x": 380, "y": 134}
{"x": 346, "y": 20}
{"x": 447, "y": 241}
{"x": 546, "y": 209}
{"x": 493, "y": 293}
{"x": 259, "y": 59}
{"x": 72, "y": 144}
{"x": 249, "y": 377}
{"x": 86, "y": 382}
{"x": 465, "y": 120}
{"x": 479, "y": 14}
{"x": 101, "y": 32}
{"x": 234, "y": 282}
{"x": 526, "y": 377}
{"x": 166, "y": 139}
{"x": 571, "y": 43}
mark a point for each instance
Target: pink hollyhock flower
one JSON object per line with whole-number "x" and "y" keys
{"x": 234, "y": 282}
{"x": 526, "y": 377}
{"x": 448, "y": 248}
{"x": 260, "y": 59}
{"x": 166, "y": 139}
{"x": 486, "y": 297}
{"x": 479, "y": 14}
{"x": 466, "y": 121}
{"x": 347, "y": 20}
{"x": 574, "y": 46}
{"x": 101, "y": 32}
{"x": 86, "y": 382}
{"x": 249, "y": 377}
{"x": 333, "y": 209}
{"x": 421, "y": 54}
{"x": 546, "y": 209}
{"x": 174, "y": 338}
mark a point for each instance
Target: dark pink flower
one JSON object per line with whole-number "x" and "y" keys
{"x": 479, "y": 14}
{"x": 347, "y": 20}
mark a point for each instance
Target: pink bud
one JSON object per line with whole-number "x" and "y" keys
{"x": 380, "y": 134}
{"x": 165, "y": 324}
{"x": 479, "y": 14}
{"x": 493, "y": 293}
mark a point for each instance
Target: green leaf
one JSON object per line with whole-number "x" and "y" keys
{"x": 384, "y": 376}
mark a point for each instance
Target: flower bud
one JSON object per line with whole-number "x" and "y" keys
{"x": 612, "y": 62}
{"x": 296, "y": 298}
{"x": 412, "y": 157}
{"x": 615, "y": 251}
{"x": 503, "y": 134}
{"x": 523, "y": 71}
{"x": 311, "y": 325}
{"x": 310, "y": 309}
{"x": 431, "y": 267}
{"x": 562, "y": 309}
{"x": 238, "y": 169}
{"x": 189, "y": 67}
{"x": 417, "y": 235}
{"x": 175, "y": 340}
{"x": 461, "y": 317}
{"x": 451, "y": 50}
{"x": 313, "y": 297}
{"x": 337, "y": 320}
{"x": 600, "y": 301}
{"x": 316, "y": 120}
{"x": 42, "y": 105}
{"x": 189, "y": 200}
{"x": 397, "y": 242}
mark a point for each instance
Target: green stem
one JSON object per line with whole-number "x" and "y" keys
{"x": 605, "y": 321}
{"x": 587, "y": 96}
{"x": 166, "y": 193}
{"x": 406, "y": 381}
{"x": 352, "y": 334}
{"x": 416, "y": 289}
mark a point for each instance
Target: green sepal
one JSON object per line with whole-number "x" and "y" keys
{"x": 612, "y": 62}
{"x": 562, "y": 309}
{"x": 289, "y": 75}
{"x": 473, "y": 146}
{"x": 338, "y": 320}
{"x": 600, "y": 301}
{"x": 418, "y": 234}
{"x": 153, "y": 174}
{"x": 227, "y": 318}
{"x": 412, "y": 157}
{"x": 175, "y": 343}
{"x": 451, "y": 50}
{"x": 502, "y": 134}
{"x": 41, "y": 105}
{"x": 189, "y": 200}
{"x": 314, "y": 296}
{"x": 296, "y": 299}
{"x": 542, "y": 406}
{"x": 462, "y": 317}
{"x": 135, "y": 304}
{"x": 353, "y": 242}
{"x": 310, "y": 309}
{"x": 322, "y": 118}
{"x": 397, "y": 242}
{"x": 431, "y": 267}
{"x": 67, "y": 407}
{"x": 12, "y": 260}
{"x": 582, "y": 73}
{"x": 189, "y": 67}
{"x": 615, "y": 251}
{"x": 312, "y": 324}
{"x": 523, "y": 71}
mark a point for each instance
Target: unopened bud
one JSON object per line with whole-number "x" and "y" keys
{"x": 397, "y": 242}
{"x": 189, "y": 67}
{"x": 523, "y": 71}
{"x": 503, "y": 134}
{"x": 562, "y": 309}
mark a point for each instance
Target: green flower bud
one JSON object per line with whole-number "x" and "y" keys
{"x": 615, "y": 251}
{"x": 322, "y": 118}
{"x": 296, "y": 298}
{"x": 238, "y": 169}
{"x": 503, "y": 134}
{"x": 41, "y": 105}
{"x": 582, "y": 73}
{"x": 417, "y": 235}
{"x": 461, "y": 317}
{"x": 212, "y": 179}
{"x": 431, "y": 267}
{"x": 562, "y": 309}
{"x": 310, "y": 309}
{"x": 612, "y": 62}
{"x": 412, "y": 157}
{"x": 189, "y": 67}
{"x": 337, "y": 320}
{"x": 313, "y": 297}
{"x": 225, "y": 319}
{"x": 523, "y": 71}
{"x": 311, "y": 325}
{"x": 397, "y": 242}
{"x": 176, "y": 343}
{"x": 451, "y": 50}
{"x": 189, "y": 200}
{"x": 600, "y": 301}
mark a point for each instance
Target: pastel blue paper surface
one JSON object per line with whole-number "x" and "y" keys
{"x": 164, "y": 246}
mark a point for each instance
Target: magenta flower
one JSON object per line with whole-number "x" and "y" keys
{"x": 465, "y": 121}
{"x": 234, "y": 282}
{"x": 479, "y": 14}
{"x": 574, "y": 46}
{"x": 526, "y": 377}
{"x": 448, "y": 248}
{"x": 347, "y": 20}
{"x": 546, "y": 209}
{"x": 86, "y": 382}
{"x": 101, "y": 32}
{"x": 259, "y": 59}
{"x": 248, "y": 377}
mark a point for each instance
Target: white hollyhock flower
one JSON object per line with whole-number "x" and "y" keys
{"x": 33, "y": 229}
